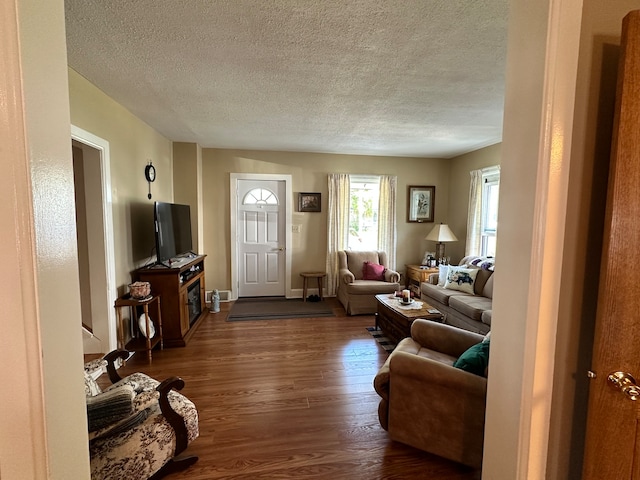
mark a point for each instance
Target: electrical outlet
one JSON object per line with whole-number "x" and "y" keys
{"x": 296, "y": 228}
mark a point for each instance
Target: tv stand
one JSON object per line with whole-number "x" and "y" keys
{"x": 181, "y": 286}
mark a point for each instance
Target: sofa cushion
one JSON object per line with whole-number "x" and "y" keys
{"x": 356, "y": 259}
{"x": 373, "y": 271}
{"x": 440, "y": 294}
{"x": 487, "y": 290}
{"x": 370, "y": 287}
{"x": 471, "y": 306}
{"x": 482, "y": 277}
{"x": 475, "y": 359}
{"x": 460, "y": 278}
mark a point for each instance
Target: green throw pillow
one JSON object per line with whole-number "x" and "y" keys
{"x": 475, "y": 359}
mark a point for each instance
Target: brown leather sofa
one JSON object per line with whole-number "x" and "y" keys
{"x": 426, "y": 402}
{"x": 358, "y": 296}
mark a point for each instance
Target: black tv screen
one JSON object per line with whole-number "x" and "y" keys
{"x": 173, "y": 230}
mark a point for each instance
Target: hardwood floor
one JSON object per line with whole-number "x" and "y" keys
{"x": 289, "y": 399}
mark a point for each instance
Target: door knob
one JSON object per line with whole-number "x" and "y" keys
{"x": 626, "y": 383}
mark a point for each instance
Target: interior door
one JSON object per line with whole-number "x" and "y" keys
{"x": 261, "y": 237}
{"x": 612, "y": 442}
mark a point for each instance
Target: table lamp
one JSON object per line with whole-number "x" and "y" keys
{"x": 441, "y": 233}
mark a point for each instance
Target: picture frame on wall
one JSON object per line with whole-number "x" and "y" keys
{"x": 420, "y": 203}
{"x": 309, "y": 202}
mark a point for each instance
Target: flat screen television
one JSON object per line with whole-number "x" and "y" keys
{"x": 173, "y": 231}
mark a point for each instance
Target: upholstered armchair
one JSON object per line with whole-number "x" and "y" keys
{"x": 358, "y": 287}
{"x": 137, "y": 426}
{"x": 427, "y": 402}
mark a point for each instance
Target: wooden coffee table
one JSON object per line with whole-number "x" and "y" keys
{"x": 395, "y": 321}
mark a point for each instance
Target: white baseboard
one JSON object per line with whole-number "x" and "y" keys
{"x": 225, "y": 295}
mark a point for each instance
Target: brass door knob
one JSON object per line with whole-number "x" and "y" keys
{"x": 626, "y": 383}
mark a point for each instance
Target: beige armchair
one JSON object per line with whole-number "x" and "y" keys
{"x": 356, "y": 294}
{"x": 426, "y": 402}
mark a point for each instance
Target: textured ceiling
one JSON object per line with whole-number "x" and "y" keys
{"x": 378, "y": 77}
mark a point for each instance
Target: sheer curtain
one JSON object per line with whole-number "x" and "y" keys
{"x": 475, "y": 214}
{"x": 337, "y": 225}
{"x": 387, "y": 218}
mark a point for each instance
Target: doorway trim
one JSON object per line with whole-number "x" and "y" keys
{"x": 106, "y": 333}
{"x": 233, "y": 189}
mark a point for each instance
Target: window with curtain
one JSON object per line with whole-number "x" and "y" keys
{"x": 482, "y": 223}
{"x": 361, "y": 216}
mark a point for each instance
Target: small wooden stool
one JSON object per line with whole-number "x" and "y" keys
{"x": 306, "y": 276}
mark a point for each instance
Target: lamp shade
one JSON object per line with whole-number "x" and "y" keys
{"x": 441, "y": 233}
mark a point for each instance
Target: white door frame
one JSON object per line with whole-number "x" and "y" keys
{"x": 233, "y": 188}
{"x": 104, "y": 331}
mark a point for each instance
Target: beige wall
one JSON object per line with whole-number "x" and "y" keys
{"x": 309, "y": 174}
{"x": 57, "y": 346}
{"x": 132, "y": 144}
{"x": 187, "y": 186}
{"x": 459, "y": 192}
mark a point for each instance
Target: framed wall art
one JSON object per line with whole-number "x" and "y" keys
{"x": 309, "y": 202}
{"x": 420, "y": 203}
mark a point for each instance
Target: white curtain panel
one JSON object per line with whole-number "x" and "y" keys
{"x": 387, "y": 219}
{"x": 475, "y": 212}
{"x": 338, "y": 225}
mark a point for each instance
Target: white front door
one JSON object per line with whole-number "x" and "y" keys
{"x": 261, "y": 242}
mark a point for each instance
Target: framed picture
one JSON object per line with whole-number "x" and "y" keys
{"x": 420, "y": 203}
{"x": 309, "y": 202}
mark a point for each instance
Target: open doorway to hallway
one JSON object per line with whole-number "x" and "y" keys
{"x": 94, "y": 226}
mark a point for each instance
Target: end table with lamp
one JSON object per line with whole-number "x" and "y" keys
{"x": 441, "y": 234}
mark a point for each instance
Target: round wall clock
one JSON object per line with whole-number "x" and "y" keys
{"x": 150, "y": 175}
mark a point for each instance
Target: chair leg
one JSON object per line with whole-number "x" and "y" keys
{"x": 176, "y": 464}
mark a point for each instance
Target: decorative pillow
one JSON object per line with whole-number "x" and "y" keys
{"x": 460, "y": 278}
{"x": 109, "y": 407}
{"x": 373, "y": 271}
{"x": 442, "y": 274}
{"x": 475, "y": 359}
{"x": 142, "y": 323}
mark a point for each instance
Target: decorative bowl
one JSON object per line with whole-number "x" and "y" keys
{"x": 140, "y": 289}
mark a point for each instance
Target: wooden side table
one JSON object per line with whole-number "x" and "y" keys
{"x": 140, "y": 342}
{"x": 305, "y": 278}
{"x": 416, "y": 275}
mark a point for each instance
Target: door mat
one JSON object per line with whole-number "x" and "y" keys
{"x": 383, "y": 341}
{"x": 272, "y": 308}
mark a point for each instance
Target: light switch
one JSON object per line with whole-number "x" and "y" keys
{"x": 296, "y": 228}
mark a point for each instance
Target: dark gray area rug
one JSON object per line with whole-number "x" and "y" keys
{"x": 272, "y": 308}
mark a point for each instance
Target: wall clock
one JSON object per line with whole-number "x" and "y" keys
{"x": 150, "y": 175}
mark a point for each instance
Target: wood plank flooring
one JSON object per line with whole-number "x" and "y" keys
{"x": 289, "y": 399}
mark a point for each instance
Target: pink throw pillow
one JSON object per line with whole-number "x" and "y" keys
{"x": 373, "y": 271}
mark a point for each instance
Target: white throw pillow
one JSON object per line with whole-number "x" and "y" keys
{"x": 442, "y": 275}
{"x": 462, "y": 279}
{"x": 142, "y": 323}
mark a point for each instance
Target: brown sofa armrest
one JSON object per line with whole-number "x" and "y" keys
{"x": 175, "y": 420}
{"x": 443, "y": 338}
{"x": 425, "y": 371}
{"x": 111, "y": 359}
{"x": 346, "y": 276}
{"x": 391, "y": 276}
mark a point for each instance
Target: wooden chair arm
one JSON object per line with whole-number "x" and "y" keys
{"x": 175, "y": 419}
{"x": 111, "y": 359}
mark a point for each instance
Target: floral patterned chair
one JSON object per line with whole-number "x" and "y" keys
{"x": 137, "y": 426}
